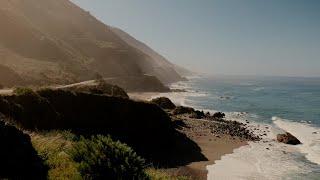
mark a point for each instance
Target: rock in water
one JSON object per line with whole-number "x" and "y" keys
{"x": 288, "y": 138}
{"x": 164, "y": 103}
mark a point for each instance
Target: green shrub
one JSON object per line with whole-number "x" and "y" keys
{"x": 53, "y": 148}
{"x": 158, "y": 174}
{"x": 102, "y": 158}
{"x": 23, "y": 91}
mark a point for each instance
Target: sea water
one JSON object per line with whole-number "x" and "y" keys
{"x": 273, "y": 105}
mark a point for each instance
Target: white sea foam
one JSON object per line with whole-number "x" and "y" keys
{"x": 308, "y": 135}
{"x": 266, "y": 159}
{"x": 269, "y": 159}
{"x": 182, "y": 98}
{"x": 254, "y": 161}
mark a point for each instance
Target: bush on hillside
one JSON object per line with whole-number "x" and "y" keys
{"x": 102, "y": 158}
{"x": 22, "y": 91}
{"x": 53, "y": 148}
{"x": 18, "y": 159}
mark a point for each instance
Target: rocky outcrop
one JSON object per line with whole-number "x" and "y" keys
{"x": 164, "y": 103}
{"x": 183, "y": 110}
{"x": 218, "y": 115}
{"x": 288, "y": 138}
{"x": 19, "y": 160}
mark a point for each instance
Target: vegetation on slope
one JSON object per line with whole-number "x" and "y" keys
{"x": 100, "y": 87}
{"x": 74, "y": 157}
{"x": 134, "y": 123}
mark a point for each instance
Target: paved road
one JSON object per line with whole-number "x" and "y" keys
{"x": 6, "y": 91}
{"x": 90, "y": 82}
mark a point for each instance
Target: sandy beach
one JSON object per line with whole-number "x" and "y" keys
{"x": 213, "y": 146}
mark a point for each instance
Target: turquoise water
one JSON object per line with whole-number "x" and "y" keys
{"x": 296, "y": 99}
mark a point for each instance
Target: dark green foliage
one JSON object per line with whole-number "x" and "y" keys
{"x": 18, "y": 159}
{"x": 164, "y": 103}
{"x": 21, "y": 91}
{"x": 136, "y": 123}
{"x": 102, "y": 158}
{"x": 143, "y": 126}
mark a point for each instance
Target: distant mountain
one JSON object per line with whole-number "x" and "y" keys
{"x": 160, "y": 66}
{"x": 56, "y": 42}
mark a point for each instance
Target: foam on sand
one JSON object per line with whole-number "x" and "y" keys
{"x": 308, "y": 135}
{"x": 269, "y": 159}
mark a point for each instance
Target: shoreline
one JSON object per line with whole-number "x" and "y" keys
{"x": 213, "y": 145}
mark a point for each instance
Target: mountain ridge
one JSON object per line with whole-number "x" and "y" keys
{"x": 57, "y": 42}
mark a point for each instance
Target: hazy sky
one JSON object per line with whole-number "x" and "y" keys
{"x": 247, "y": 37}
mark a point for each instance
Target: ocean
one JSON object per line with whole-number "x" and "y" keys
{"x": 273, "y": 105}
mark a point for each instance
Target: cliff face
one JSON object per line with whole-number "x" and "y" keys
{"x": 46, "y": 41}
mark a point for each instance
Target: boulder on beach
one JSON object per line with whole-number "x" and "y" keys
{"x": 288, "y": 138}
{"x": 183, "y": 110}
{"x": 198, "y": 115}
{"x": 218, "y": 115}
{"x": 164, "y": 103}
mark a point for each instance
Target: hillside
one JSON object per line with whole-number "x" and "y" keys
{"x": 56, "y": 42}
{"x": 160, "y": 66}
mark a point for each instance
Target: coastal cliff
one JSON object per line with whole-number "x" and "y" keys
{"x": 56, "y": 42}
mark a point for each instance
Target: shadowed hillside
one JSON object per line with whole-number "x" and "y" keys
{"x": 143, "y": 126}
{"x": 56, "y": 42}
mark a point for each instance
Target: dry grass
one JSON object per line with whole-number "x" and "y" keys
{"x": 53, "y": 147}
{"x": 158, "y": 174}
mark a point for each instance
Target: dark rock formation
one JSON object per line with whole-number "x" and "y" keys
{"x": 197, "y": 114}
{"x": 288, "y": 138}
{"x": 164, "y": 103}
{"x": 183, "y": 110}
{"x": 219, "y": 115}
{"x": 18, "y": 159}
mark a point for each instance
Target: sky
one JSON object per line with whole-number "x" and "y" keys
{"x": 230, "y": 37}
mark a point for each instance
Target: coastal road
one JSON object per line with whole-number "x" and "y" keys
{"x": 89, "y": 83}
{"x": 6, "y": 91}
